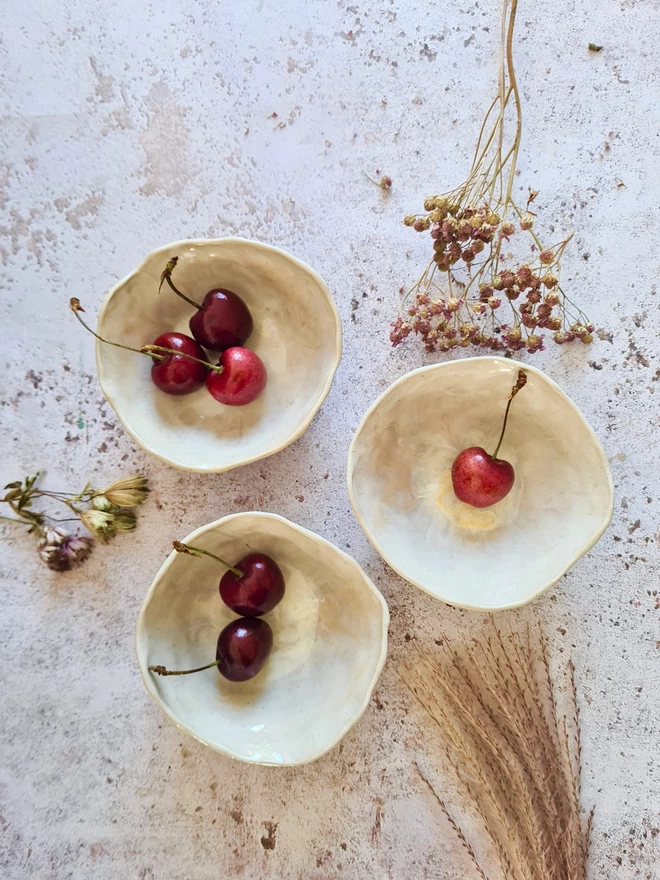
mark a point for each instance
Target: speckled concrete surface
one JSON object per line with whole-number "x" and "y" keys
{"x": 128, "y": 125}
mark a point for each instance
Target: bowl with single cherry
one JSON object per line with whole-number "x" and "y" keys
{"x": 262, "y": 639}
{"x": 480, "y": 481}
{"x": 216, "y": 353}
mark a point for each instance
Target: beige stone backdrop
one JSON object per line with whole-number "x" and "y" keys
{"x": 127, "y": 125}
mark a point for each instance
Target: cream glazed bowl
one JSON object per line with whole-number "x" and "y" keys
{"x": 399, "y": 483}
{"x": 297, "y": 334}
{"x": 329, "y": 644}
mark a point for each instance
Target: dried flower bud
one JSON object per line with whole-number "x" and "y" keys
{"x": 442, "y": 204}
{"x": 454, "y": 249}
{"x": 535, "y": 281}
{"x": 421, "y": 224}
{"x": 429, "y": 203}
{"x": 553, "y": 323}
{"x": 524, "y": 274}
{"x": 436, "y": 215}
{"x": 99, "y": 523}
{"x": 529, "y": 321}
{"x": 464, "y": 230}
{"x": 498, "y": 284}
{"x": 492, "y": 218}
{"x": 439, "y": 245}
{"x": 544, "y": 311}
{"x": 552, "y": 298}
{"x": 453, "y": 305}
{"x": 436, "y": 230}
{"x": 478, "y": 308}
{"x": 546, "y": 257}
{"x": 508, "y": 278}
{"x": 128, "y": 492}
{"x": 477, "y": 245}
{"x": 494, "y": 302}
{"x": 486, "y": 232}
{"x": 476, "y": 222}
{"x": 534, "y": 343}
{"x": 100, "y": 502}
{"x": 409, "y": 219}
{"x": 533, "y": 296}
{"x": 468, "y": 255}
{"x": 125, "y": 521}
{"x": 550, "y": 280}
{"x": 385, "y": 182}
{"x": 508, "y": 228}
{"x": 526, "y": 221}
{"x": 587, "y": 339}
{"x": 513, "y": 335}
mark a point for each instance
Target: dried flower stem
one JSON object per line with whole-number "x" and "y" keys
{"x": 472, "y": 219}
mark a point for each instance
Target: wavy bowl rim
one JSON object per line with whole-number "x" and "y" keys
{"x": 362, "y": 708}
{"x": 607, "y": 518}
{"x": 304, "y": 425}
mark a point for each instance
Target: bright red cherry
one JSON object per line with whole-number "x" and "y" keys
{"x": 481, "y": 479}
{"x": 243, "y": 648}
{"x": 242, "y": 379}
{"x": 258, "y": 589}
{"x": 222, "y": 322}
{"x": 176, "y": 374}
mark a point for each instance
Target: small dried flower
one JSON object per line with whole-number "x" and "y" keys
{"x": 534, "y": 343}
{"x": 100, "y": 502}
{"x": 587, "y": 339}
{"x": 508, "y": 278}
{"x": 421, "y": 224}
{"x": 546, "y": 257}
{"x": 409, "y": 219}
{"x": 526, "y": 222}
{"x": 492, "y": 218}
{"x": 508, "y": 229}
{"x": 494, "y": 302}
{"x": 513, "y": 335}
{"x": 62, "y": 551}
{"x": 477, "y": 245}
{"x": 436, "y": 215}
{"x": 385, "y": 182}
{"x": 524, "y": 274}
{"x": 442, "y": 203}
{"x": 468, "y": 255}
{"x": 544, "y": 311}
{"x": 529, "y": 321}
{"x": 553, "y": 323}
{"x": 552, "y": 298}
{"x": 429, "y": 203}
{"x": 125, "y": 521}
{"x": 100, "y": 523}
{"x": 533, "y": 296}
{"x": 453, "y": 305}
{"x": 550, "y": 280}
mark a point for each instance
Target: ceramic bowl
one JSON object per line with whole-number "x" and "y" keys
{"x": 297, "y": 334}
{"x": 330, "y": 642}
{"x": 399, "y": 482}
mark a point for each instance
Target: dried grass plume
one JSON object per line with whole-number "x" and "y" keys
{"x": 516, "y": 756}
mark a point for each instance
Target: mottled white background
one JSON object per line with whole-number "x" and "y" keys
{"x": 126, "y": 125}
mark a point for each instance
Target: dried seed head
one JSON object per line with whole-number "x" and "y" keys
{"x": 409, "y": 220}
{"x": 550, "y": 280}
{"x": 492, "y": 218}
{"x": 552, "y": 298}
{"x": 436, "y": 215}
{"x": 429, "y": 203}
{"x": 508, "y": 228}
{"x": 526, "y": 221}
{"x": 546, "y": 257}
{"x": 421, "y": 224}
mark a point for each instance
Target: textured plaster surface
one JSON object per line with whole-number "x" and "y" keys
{"x": 128, "y": 125}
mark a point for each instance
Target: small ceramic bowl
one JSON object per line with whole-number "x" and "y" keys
{"x": 399, "y": 483}
{"x": 297, "y": 334}
{"x": 330, "y": 643}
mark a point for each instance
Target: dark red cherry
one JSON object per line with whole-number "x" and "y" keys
{"x": 243, "y": 648}
{"x": 242, "y": 380}
{"x": 258, "y": 590}
{"x": 179, "y": 375}
{"x": 222, "y": 322}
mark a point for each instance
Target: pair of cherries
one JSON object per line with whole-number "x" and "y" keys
{"x": 251, "y": 588}
{"x": 221, "y": 323}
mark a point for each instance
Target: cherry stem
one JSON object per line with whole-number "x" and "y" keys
{"x": 148, "y": 350}
{"x": 167, "y": 277}
{"x": 161, "y": 670}
{"x": 520, "y": 383}
{"x": 197, "y": 551}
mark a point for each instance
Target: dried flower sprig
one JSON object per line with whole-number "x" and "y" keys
{"x": 516, "y": 758}
{"x": 103, "y": 512}
{"x": 469, "y": 292}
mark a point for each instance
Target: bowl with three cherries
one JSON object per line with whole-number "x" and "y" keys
{"x": 217, "y": 353}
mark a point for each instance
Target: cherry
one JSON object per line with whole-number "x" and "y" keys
{"x": 243, "y": 648}
{"x": 222, "y": 320}
{"x": 242, "y": 379}
{"x": 176, "y": 374}
{"x": 254, "y": 586}
{"x": 480, "y": 479}
{"x": 259, "y": 588}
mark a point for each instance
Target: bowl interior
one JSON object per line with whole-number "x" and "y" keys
{"x": 400, "y": 482}
{"x": 296, "y": 333}
{"x": 330, "y": 634}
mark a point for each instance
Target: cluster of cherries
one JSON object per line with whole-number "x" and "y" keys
{"x": 251, "y": 588}
{"x": 222, "y": 323}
